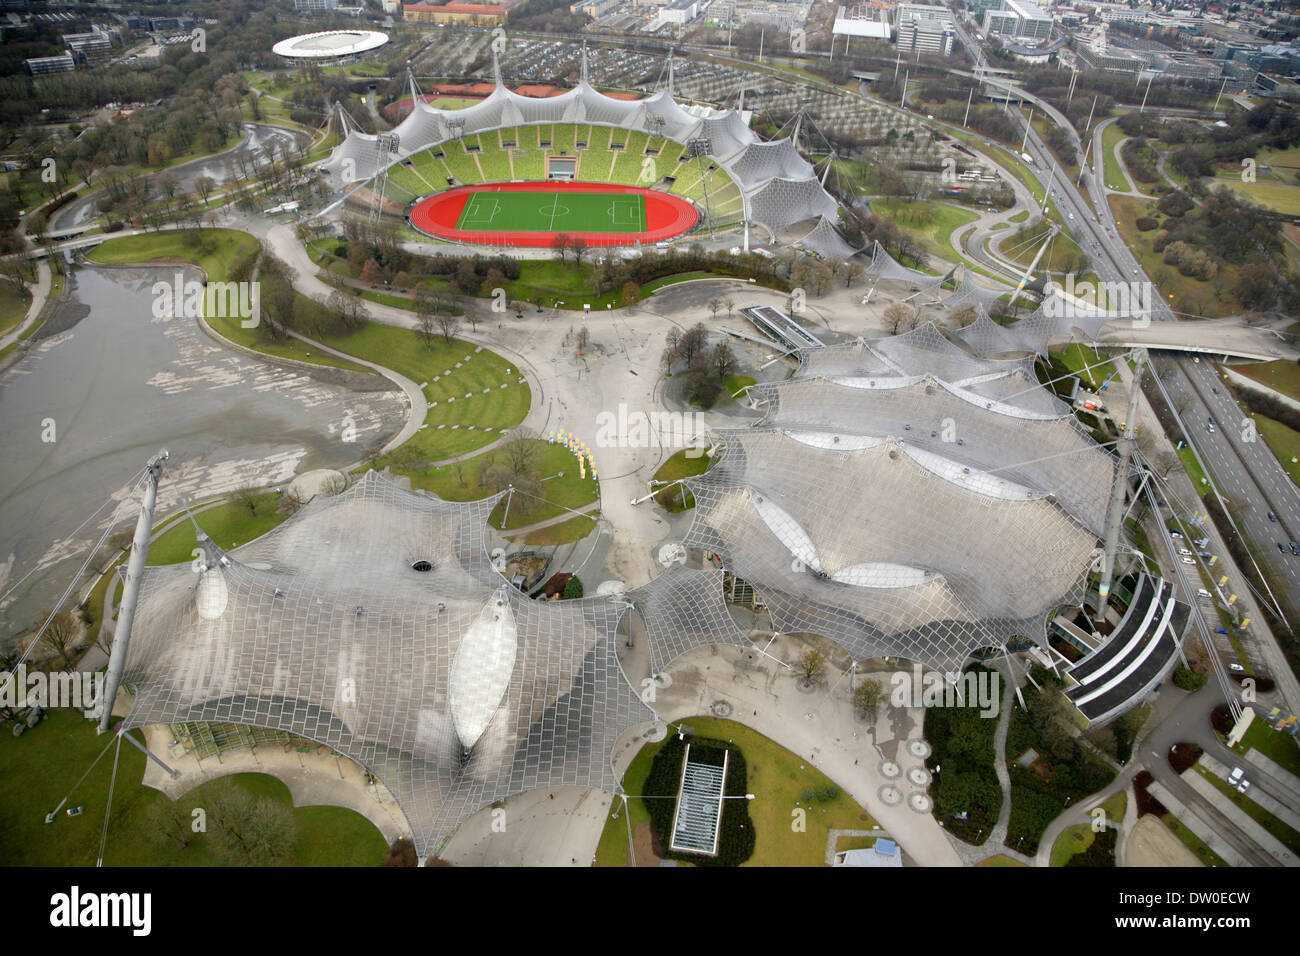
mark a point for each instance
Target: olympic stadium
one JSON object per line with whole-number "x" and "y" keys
{"x": 680, "y": 168}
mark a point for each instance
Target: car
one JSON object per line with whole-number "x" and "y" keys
{"x": 1211, "y": 420}
{"x": 1236, "y": 668}
{"x": 1204, "y": 554}
{"x": 1220, "y": 630}
{"x": 1210, "y": 427}
{"x": 1295, "y": 548}
{"x": 1174, "y": 534}
{"x": 1281, "y": 547}
{"x": 1214, "y": 389}
{"x": 1271, "y": 516}
{"x": 1245, "y": 785}
{"x": 1201, "y": 592}
{"x": 1187, "y": 560}
{"x": 1185, "y": 552}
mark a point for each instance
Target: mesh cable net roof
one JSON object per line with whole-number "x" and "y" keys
{"x": 683, "y": 608}
{"x": 447, "y": 684}
{"x": 906, "y": 498}
{"x": 825, "y": 240}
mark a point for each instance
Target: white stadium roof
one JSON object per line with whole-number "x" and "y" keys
{"x": 329, "y": 44}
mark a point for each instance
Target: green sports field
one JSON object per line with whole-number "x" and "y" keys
{"x": 553, "y": 212}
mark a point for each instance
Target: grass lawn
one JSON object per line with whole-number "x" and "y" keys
{"x": 931, "y": 223}
{"x": 1280, "y": 748}
{"x": 39, "y": 768}
{"x": 735, "y": 383}
{"x": 1283, "y": 164}
{"x": 228, "y": 525}
{"x": 566, "y": 532}
{"x": 1073, "y": 841}
{"x": 1193, "y": 842}
{"x": 680, "y": 466}
{"x": 1279, "y": 197}
{"x": 1284, "y": 441}
{"x": 1023, "y": 251}
{"x": 480, "y": 376}
{"x": 1114, "y": 807}
{"x": 462, "y": 481}
{"x": 1086, "y": 363}
{"x": 1193, "y": 469}
{"x": 1283, "y": 376}
{"x": 1114, "y": 175}
{"x": 14, "y": 300}
{"x": 777, "y": 778}
{"x": 214, "y": 251}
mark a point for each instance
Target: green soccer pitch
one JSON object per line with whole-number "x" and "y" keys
{"x": 557, "y": 212}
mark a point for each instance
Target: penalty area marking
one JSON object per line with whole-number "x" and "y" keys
{"x": 478, "y": 205}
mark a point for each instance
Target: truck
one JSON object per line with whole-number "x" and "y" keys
{"x": 1027, "y": 158}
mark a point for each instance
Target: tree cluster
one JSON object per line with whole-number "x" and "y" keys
{"x": 707, "y": 369}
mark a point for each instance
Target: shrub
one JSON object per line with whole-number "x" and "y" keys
{"x": 1187, "y": 679}
{"x": 401, "y": 853}
{"x": 1146, "y": 223}
{"x": 736, "y": 834}
{"x": 572, "y": 589}
{"x": 1101, "y": 853}
{"x": 1182, "y": 756}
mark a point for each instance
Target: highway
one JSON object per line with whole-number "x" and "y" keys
{"x": 1247, "y": 471}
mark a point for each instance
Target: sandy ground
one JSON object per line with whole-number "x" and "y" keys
{"x": 1151, "y": 843}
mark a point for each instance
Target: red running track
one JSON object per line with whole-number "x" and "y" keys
{"x": 665, "y": 215}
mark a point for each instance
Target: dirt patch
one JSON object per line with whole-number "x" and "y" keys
{"x": 1151, "y": 843}
{"x": 643, "y": 846}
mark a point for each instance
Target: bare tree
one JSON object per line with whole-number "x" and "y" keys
{"x": 715, "y": 305}
{"x": 170, "y": 823}
{"x": 203, "y": 185}
{"x": 61, "y": 636}
{"x": 448, "y": 325}
{"x": 723, "y": 361}
{"x": 560, "y": 245}
{"x": 898, "y": 318}
{"x": 426, "y": 305}
{"x": 247, "y": 495}
{"x": 247, "y": 830}
{"x": 521, "y": 450}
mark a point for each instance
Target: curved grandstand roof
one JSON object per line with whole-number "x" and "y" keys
{"x": 449, "y": 685}
{"x": 329, "y": 44}
{"x": 779, "y": 187}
